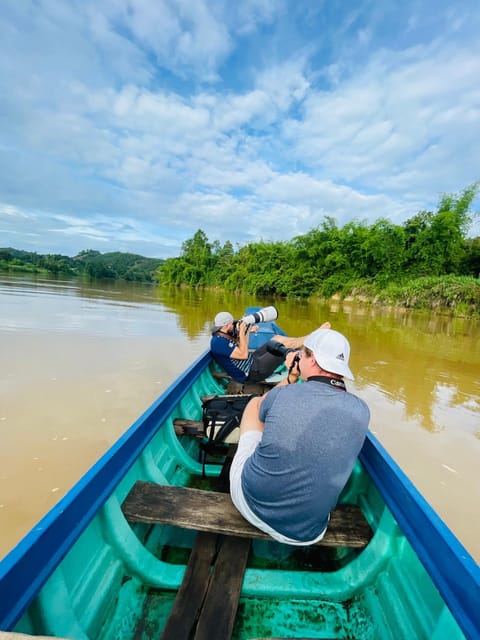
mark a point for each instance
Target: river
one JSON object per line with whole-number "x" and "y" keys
{"x": 81, "y": 361}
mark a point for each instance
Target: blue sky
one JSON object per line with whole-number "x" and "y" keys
{"x": 126, "y": 125}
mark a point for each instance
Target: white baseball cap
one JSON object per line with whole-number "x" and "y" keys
{"x": 331, "y": 350}
{"x": 221, "y": 319}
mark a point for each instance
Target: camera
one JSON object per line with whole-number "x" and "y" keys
{"x": 266, "y": 314}
{"x": 278, "y": 349}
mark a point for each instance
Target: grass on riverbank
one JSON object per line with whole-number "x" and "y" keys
{"x": 455, "y": 295}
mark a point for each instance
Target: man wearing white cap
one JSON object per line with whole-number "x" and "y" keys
{"x": 299, "y": 442}
{"x": 229, "y": 347}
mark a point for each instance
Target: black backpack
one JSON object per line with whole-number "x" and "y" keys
{"x": 220, "y": 416}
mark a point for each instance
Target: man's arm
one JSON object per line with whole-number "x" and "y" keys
{"x": 250, "y": 418}
{"x": 241, "y": 350}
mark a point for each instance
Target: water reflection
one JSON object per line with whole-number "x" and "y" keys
{"x": 414, "y": 363}
{"x": 75, "y": 306}
{"x": 428, "y": 363}
{"x": 195, "y": 309}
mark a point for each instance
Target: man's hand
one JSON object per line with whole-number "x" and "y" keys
{"x": 291, "y": 361}
{"x": 241, "y": 350}
{"x": 289, "y": 358}
{"x": 243, "y": 329}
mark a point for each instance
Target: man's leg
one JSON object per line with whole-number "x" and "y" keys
{"x": 264, "y": 362}
{"x": 297, "y": 343}
{"x": 251, "y": 430}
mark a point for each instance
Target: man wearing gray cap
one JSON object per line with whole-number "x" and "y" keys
{"x": 299, "y": 442}
{"x": 229, "y": 347}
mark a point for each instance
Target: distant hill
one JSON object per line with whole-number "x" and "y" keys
{"x": 93, "y": 264}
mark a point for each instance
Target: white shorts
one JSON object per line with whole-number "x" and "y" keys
{"x": 246, "y": 446}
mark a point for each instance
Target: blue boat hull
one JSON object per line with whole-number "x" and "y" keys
{"x": 84, "y": 572}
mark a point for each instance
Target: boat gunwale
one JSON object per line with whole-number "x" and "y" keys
{"x": 450, "y": 566}
{"x": 29, "y": 565}
{"x": 26, "y": 568}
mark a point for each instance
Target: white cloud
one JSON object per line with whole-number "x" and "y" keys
{"x": 181, "y": 34}
{"x": 247, "y": 120}
{"x": 187, "y": 38}
{"x": 251, "y": 13}
{"x": 9, "y": 211}
{"x": 403, "y": 115}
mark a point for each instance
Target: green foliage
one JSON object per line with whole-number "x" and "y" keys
{"x": 90, "y": 264}
{"x": 435, "y": 243}
{"x": 337, "y": 260}
{"x": 470, "y": 263}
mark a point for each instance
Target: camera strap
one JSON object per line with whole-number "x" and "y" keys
{"x": 333, "y": 382}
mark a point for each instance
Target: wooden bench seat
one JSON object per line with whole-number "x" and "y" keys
{"x": 215, "y": 512}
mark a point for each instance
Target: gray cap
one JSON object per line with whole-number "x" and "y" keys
{"x": 221, "y": 319}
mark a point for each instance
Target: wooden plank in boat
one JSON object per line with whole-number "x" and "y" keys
{"x": 223, "y": 396}
{"x": 184, "y": 427}
{"x": 221, "y": 375}
{"x": 191, "y": 595}
{"x": 211, "y": 511}
{"x": 221, "y": 603}
{"x": 11, "y": 635}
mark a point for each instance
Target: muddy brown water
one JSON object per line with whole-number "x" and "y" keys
{"x": 81, "y": 361}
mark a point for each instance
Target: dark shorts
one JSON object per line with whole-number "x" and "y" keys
{"x": 263, "y": 365}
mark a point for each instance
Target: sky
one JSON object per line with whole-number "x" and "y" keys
{"x": 127, "y": 125}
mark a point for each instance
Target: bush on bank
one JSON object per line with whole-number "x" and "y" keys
{"x": 428, "y": 262}
{"x": 456, "y": 295}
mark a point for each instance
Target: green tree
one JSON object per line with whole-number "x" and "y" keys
{"x": 223, "y": 261}
{"x": 470, "y": 265}
{"x": 435, "y": 242}
{"x": 384, "y": 250}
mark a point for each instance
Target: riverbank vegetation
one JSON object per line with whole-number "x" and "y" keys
{"x": 427, "y": 262}
{"x": 89, "y": 264}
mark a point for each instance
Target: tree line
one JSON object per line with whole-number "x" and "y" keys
{"x": 330, "y": 259}
{"x": 90, "y": 264}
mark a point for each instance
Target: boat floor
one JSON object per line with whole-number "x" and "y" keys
{"x": 206, "y": 603}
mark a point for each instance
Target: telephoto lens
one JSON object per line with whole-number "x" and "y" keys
{"x": 262, "y": 315}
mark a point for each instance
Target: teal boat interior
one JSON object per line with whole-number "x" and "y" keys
{"x": 107, "y": 579}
